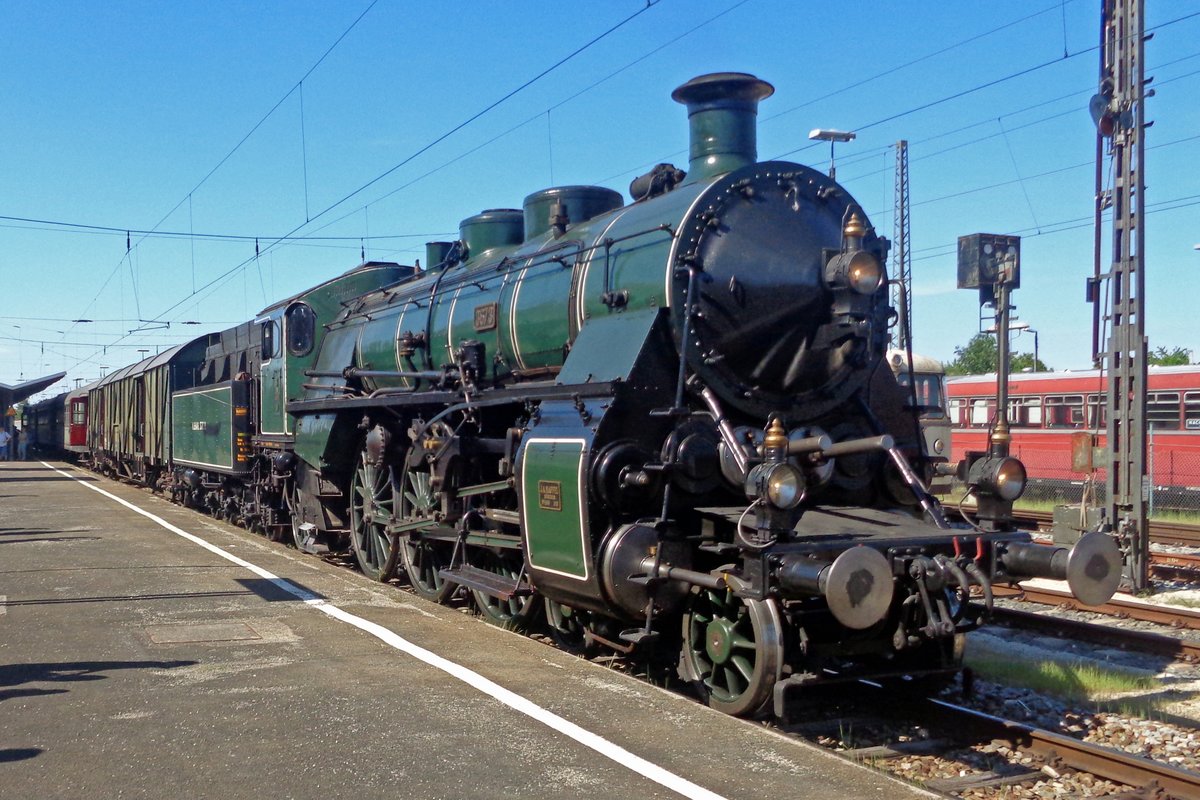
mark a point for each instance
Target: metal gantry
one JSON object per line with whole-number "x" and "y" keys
{"x": 1119, "y": 112}
{"x": 902, "y": 257}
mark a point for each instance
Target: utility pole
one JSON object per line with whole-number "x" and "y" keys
{"x": 902, "y": 260}
{"x": 1119, "y": 111}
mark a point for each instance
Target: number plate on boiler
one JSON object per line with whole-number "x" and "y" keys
{"x": 485, "y": 317}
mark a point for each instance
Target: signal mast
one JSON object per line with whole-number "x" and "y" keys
{"x": 1118, "y": 110}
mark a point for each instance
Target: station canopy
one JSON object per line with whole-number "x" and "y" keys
{"x": 10, "y": 395}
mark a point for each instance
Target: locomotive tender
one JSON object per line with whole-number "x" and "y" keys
{"x": 669, "y": 425}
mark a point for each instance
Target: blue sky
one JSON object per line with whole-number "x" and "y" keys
{"x": 116, "y": 115}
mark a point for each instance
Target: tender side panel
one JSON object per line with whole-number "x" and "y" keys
{"x": 212, "y": 427}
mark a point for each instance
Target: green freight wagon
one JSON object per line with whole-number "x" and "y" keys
{"x": 130, "y": 412}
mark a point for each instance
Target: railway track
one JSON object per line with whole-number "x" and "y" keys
{"x": 1161, "y": 532}
{"x": 986, "y": 754}
{"x": 1131, "y": 608}
{"x": 1180, "y": 649}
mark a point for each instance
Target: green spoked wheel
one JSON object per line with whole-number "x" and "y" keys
{"x": 372, "y": 501}
{"x": 568, "y": 627}
{"x": 516, "y": 612}
{"x": 423, "y": 557}
{"x": 293, "y": 506}
{"x": 732, "y": 650}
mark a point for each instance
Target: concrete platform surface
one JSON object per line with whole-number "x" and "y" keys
{"x": 136, "y": 662}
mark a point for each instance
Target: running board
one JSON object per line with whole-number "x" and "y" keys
{"x": 480, "y": 580}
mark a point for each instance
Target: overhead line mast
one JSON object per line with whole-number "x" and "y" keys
{"x": 902, "y": 261}
{"x": 1119, "y": 111}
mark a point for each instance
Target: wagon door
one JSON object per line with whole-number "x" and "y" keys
{"x": 77, "y": 425}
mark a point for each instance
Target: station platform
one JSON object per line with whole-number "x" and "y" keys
{"x": 147, "y": 651}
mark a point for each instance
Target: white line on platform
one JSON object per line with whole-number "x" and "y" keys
{"x": 3, "y": 604}
{"x": 509, "y": 698}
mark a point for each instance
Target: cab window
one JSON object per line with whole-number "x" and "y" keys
{"x": 301, "y": 329}
{"x": 268, "y": 340}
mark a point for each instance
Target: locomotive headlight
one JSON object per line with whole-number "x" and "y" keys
{"x": 1003, "y": 477}
{"x": 859, "y": 271}
{"x": 781, "y": 485}
{"x": 864, "y": 273}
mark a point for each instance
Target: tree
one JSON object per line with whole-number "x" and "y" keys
{"x": 1176, "y": 356}
{"x": 1023, "y": 362}
{"x": 978, "y": 357}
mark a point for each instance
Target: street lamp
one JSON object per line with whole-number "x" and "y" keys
{"x": 832, "y": 136}
{"x": 1024, "y": 326}
{"x": 1019, "y": 327}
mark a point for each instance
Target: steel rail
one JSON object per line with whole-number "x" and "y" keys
{"x": 1119, "y": 607}
{"x": 1161, "y": 532}
{"x": 1104, "y": 635}
{"x": 1099, "y": 760}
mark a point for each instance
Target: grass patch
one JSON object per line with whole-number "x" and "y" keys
{"x": 1076, "y": 681}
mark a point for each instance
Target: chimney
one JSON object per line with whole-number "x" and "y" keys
{"x": 722, "y": 107}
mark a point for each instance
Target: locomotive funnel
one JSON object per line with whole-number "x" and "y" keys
{"x": 722, "y": 107}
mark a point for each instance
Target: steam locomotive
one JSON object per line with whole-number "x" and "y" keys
{"x": 668, "y": 426}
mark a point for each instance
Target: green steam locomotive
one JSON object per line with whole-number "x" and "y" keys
{"x": 665, "y": 428}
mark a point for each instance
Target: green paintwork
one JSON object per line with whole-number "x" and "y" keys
{"x": 531, "y": 285}
{"x": 578, "y": 202}
{"x": 377, "y": 350}
{"x": 211, "y": 427}
{"x": 607, "y": 348}
{"x": 640, "y": 265}
{"x": 326, "y": 302}
{"x": 542, "y": 293}
{"x": 272, "y": 391}
{"x": 551, "y": 503}
{"x": 313, "y": 440}
{"x": 497, "y": 227}
{"x": 312, "y": 435}
{"x": 436, "y": 252}
{"x": 721, "y": 118}
{"x": 539, "y": 317}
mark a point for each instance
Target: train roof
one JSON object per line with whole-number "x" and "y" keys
{"x": 897, "y": 358}
{"x": 145, "y": 364}
{"x": 363, "y": 267}
{"x": 990, "y": 377}
{"x": 83, "y": 390}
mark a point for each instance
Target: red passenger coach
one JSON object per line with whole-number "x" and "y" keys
{"x": 77, "y": 417}
{"x": 1047, "y": 408}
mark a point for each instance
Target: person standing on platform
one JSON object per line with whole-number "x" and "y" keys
{"x": 5, "y": 436}
{"x": 25, "y": 441}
